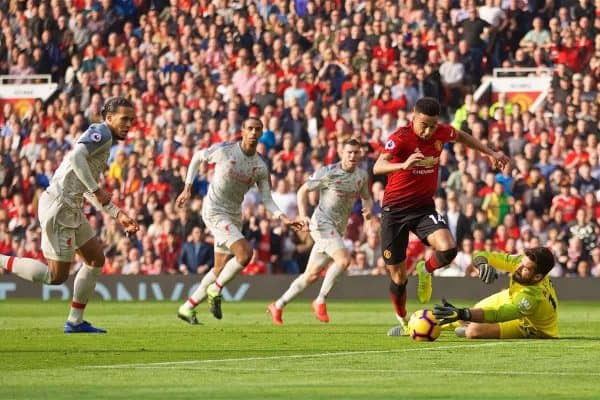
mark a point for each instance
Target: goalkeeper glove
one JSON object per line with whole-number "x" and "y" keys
{"x": 487, "y": 273}
{"x": 448, "y": 313}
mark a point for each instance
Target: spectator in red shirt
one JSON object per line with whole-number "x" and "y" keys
{"x": 159, "y": 186}
{"x": 385, "y": 54}
{"x": 570, "y": 53}
{"x": 567, "y": 201}
{"x": 386, "y": 104}
{"x": 576, "y": 157}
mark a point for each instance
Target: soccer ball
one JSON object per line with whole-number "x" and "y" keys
{"x": 422, "y": 326}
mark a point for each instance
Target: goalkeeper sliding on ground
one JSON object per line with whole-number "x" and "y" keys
{"x": 527, "y": 309}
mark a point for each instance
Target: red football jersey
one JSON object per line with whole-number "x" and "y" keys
{"x": 415, "y": 187}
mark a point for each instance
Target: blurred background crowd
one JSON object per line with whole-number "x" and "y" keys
{"x": 316, "y": 72}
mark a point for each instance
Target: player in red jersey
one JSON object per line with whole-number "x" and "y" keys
{"x": 411, "y": 161}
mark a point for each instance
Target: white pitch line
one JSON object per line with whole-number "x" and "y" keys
{"x": 301, "y": 356}
{"x": 383, "y": 371}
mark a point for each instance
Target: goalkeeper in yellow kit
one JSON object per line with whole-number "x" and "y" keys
{"x": 527, "y": 309}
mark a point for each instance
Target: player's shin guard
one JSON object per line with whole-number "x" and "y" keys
{"x": 331, "y": 276}
{"x": 83, "y": 288}
{"x": 27, "y": 268}
{"x": 294, "y": 290}
{"x": 440, "y": 259}
{"x": 398, "y": 296}
{"x": 230, "y": 270}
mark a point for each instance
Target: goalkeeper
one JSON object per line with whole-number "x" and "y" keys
{"x": 527, "y": 309}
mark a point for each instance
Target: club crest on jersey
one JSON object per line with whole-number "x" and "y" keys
{"x": 438, "y": 145}
{"x": 390, "y": 145}
{"x": 96, "y": 137}
{"x": 524, "y": 305}
{"x": 387, "y": 254}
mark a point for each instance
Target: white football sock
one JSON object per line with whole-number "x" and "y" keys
{"x": 83, "y": 289}
{"x": 200, "y": 294}
{"x": 331, "y": 276}
{"x": 294, "y": 290}
{"x": 27, "y": 268}
{"x": 230, "y": 270}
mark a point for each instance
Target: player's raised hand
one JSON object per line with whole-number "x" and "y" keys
{"x": 183, "y": 198}
{"x": 499, "y": 159}
{"x": 305, "y": 221}
{"x": 128, "y": 223}
{"x": 487, "y": 273}
{"x": 412, "y": 160}
{"x": 447, "y": 313}
{"x": 295, "y": 224}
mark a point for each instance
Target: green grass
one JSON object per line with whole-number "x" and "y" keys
{"x": 150, "y": 354}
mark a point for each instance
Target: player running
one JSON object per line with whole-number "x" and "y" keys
{"x": 339, "y": 186}
{"x": 411, "y": 159}
{"x": 527, "y": 309}
{"x": 65, "y": 230}
{"x": 237, "y": 169}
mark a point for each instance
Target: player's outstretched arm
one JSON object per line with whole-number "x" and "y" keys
{"x": 81, "y": 167}
{"x": 367, "y": 204}
{"x": 296, "y": 224}
{"x": 384, "y": 166}
{"x": 500, "y": 261}
{"x": 302, "y": 197}
{"x": 184, "y": 196}
{"x": 497, "y": 158}
{"x": 448, "y": 313}
{"x": 128, "y": 223}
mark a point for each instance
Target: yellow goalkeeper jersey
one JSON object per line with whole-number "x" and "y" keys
{"x": 536, "y": 305}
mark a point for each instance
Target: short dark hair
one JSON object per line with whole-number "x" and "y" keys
{"x": 351, "y": 142}
{"x": 253, "y": 119}
{"x": 543, "y": 259}
{"x": 112, "y": 105}
{"x": 428, "y": 106}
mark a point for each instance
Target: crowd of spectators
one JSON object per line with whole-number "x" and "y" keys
{"x": 316, "y": 72}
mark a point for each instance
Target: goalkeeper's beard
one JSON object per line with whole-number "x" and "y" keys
{"x": 519, "y": 279}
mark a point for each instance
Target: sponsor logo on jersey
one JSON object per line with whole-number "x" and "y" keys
{"x": 239, "y": 177}
{"x": 390, "y": 145}
{"x": 428, "y": 162}
{"x": 345, "y": 194}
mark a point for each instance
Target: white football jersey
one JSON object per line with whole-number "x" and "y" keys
{"x": 65, "y": 183}
{"x": 338, "y": 192}
{"x": 234, "y": 174}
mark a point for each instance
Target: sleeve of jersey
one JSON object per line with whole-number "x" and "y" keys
{"x": 265, "y": 191}
{"x": 206, "y": 155}
{"x": 318, "y": 180}
{"x": 391, "y": 145}
{"x": 501, "y": 261}
{"x": 81, "y": 167}
{"x": 523, "y": 303}
{"x": 95, "y": 137}
{"x": 450, "y": 133}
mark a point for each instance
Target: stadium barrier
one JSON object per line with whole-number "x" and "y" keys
{"x": 177, "y": 288}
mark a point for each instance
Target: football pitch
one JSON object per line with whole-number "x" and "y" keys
{"x": 150, "y": 354}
